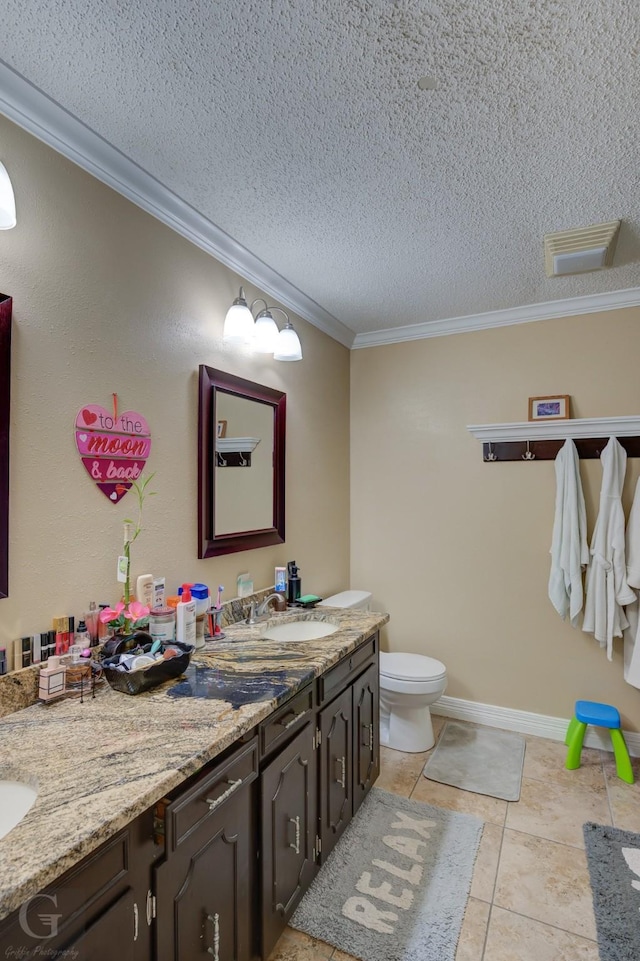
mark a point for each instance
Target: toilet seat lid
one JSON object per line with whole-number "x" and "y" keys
{"x": 411, "y": 667}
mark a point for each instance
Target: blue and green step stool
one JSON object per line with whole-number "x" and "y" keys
{"x": 600, "y": 715}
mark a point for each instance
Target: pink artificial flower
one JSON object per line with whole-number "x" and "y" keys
{"x": 108, "y": 614}
{"x": 136, "y": 611}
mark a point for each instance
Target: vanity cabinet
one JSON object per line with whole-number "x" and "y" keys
{"x": 204, "y": 887}
{"x": 335, "y": 795}
{"x": 217, "y": 868}
{"x": 288, "y": 818}
{"x": 97, "y": 911}
{"x": 348, "y": 731}
{"x": 366, "y": 733}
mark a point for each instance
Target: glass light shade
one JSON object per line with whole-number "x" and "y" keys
{"x": 288, "y": 346}
{"x": 7, "y": 201}
{"x": 266, "y": 333}
{"x": 238, "y": 325}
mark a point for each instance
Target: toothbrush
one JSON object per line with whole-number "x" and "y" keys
{"x": 216, "y": 628}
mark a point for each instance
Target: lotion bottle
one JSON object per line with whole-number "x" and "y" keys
{"x": 144, "y": 590}
{"x": 186, "y": 618}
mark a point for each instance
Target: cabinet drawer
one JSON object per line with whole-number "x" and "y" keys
{"x": 288, "y": 719}
{"x": 209, "y": 793}
{"x": 51, "y": 916}
{"x": 329, "y": 684}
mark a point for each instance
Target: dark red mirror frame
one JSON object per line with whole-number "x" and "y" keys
{"x": 5, "y": 393}
{"x": 208, "y": 544}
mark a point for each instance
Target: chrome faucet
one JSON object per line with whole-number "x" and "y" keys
{"x": 279, "y": 605}
{"x": 259, "y": 612}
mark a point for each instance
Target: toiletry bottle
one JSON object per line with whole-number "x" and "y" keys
{"x": 3, "y": 660}
{"x": 82, "y": 635}
{"x": 51, "y": 680}
{"x": 281, "y": 580}
{"x": 200, "y": 594}
{"x": 162, "y": 624}
{"x": 104, "y": 630}
{"x": 158, "y": 592}
{"x": 186, "y": 618}
{"x": 144, "y": 590}
{"x": 294, "y": 584}
{"x": 91, "y": 620}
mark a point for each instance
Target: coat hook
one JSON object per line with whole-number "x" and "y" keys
{"x": 528, "y": 454}
{"x": 491, "y": 455}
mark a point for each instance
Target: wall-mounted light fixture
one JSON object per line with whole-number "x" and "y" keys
{"x": 261, "y": 332}
{"x": 7, "y": 201}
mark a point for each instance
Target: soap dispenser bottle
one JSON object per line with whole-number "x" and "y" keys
{"x": 294, "y": 584}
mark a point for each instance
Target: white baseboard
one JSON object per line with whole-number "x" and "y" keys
{"x": 524, "y": 722}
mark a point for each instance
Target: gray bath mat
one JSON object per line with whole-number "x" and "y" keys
{"x": 614, "y": 868}
{"x": 395, "y": 886}
{"x": 478, "y": 759}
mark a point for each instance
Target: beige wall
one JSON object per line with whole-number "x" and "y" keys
{"x": 457, "y": 550}
{"x": 108, "y": 299}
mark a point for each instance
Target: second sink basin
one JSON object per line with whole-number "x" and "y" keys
{"x": 299, "y": 631}
{"x": 16, "y": 800}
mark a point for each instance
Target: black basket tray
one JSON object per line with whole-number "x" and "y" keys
{"x": 136, "y": 682}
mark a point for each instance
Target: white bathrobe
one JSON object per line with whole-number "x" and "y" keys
{"x": 569, "y": 550}
{"x": 632, "y": 633}
{"x": 607, "y": 588}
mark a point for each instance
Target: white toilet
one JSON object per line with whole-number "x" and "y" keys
{"x": 409, "y": 684}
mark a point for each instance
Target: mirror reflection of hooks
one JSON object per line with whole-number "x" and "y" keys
{"x": 528, "y": 454}
{"x": 221, "y": 461}
{"x": 491, "y": 456}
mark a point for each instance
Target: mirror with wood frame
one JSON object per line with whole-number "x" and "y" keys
{"x": 5, "y": 392}
{"x": 241, "y": 464}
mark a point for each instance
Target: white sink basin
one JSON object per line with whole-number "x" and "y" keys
{"x": 16, "y": 800}
{"x": 299, "y": 631}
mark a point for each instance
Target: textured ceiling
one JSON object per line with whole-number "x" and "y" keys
{"x": 299, "y": 129}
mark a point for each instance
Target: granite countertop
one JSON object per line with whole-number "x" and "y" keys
{"x": 101, "y": 763}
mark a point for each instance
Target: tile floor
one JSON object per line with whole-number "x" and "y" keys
{"x": 530, "y": 898}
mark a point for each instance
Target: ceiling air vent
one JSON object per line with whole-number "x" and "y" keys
{"x": 579, "y": 251}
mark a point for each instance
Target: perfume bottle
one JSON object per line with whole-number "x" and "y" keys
{"x": 52, "y": 680}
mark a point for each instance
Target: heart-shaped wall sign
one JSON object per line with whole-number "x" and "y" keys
{"x": 113, "y": 449}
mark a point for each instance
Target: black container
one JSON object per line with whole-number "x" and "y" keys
{"x": 136, "y": 682}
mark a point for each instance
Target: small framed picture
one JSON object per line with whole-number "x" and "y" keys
{"x": 222, "y": 429}
{"x": 549, "y": 408}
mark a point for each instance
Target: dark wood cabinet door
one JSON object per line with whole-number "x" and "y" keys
{"x": 112, "y": 935}
{"x": 366, "y": 734}
{"x": 335, "y": 794}
{"x": 289, "y": 818}
{"x": 204, "y": 888}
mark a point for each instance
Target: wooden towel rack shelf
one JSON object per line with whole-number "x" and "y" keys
{"x": 541, "y": 440}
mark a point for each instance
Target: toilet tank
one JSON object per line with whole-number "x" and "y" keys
{"x": 355, "y": 599}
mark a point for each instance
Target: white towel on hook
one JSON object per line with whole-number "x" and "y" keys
{"x": 569, "y": 550}
{"x": 632, "y": 633}
{"x": 607, "y": 587}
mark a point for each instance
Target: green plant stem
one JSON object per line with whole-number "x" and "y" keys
{"x": 127, "y": 583}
